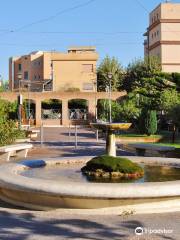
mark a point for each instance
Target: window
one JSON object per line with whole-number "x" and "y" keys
{"x": 39, "y": 63}
{"x": 157, "y": 32}
{"x": 39, "y": 77}
{"x": 152, "y": 35}
{"x": 26, "y": 75}
{"x": 34, "y": 77}
{"x": 19, "y": 67}
{"x": 88, "y": 68}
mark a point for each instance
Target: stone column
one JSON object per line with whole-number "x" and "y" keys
{"x": 91, "y": 110}
{"x": 110, "y": 143}
{"x": 38, "y": 112}
{"x": 65, "y": 117}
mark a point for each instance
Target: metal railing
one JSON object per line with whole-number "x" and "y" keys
{"x": 78, "y": 114}
{"x": 51, "y": 114}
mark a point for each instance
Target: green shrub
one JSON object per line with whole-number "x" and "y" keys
{"x": 141, "y": 121}
{"x": 8, "y": 129}
{"x": 8, "y": 135}
{"x": 151, "y": 122}
{"x": 8, "y": 110}
{"x": 9, "y": 132}
{"x": 147, "y": 122}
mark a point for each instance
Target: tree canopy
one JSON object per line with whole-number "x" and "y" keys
{"x": 109, "y": 65}
{"x": 144, "y": 77}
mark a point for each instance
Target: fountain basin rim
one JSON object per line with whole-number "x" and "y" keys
{"x": 11, "y": 179}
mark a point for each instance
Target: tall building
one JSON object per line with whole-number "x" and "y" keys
{"x": 54, "y": 71}
{"x": 163, "y": 36}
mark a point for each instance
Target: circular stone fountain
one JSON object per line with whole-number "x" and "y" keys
{"x": 115, "y": 198}
{"x": 110, "y": 129}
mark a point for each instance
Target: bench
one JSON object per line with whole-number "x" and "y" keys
{"x": 19, "y": 150}
{"x": 32, "y": 133}
{"x": 25, "y": 126}
{"x": 141, "y": 148}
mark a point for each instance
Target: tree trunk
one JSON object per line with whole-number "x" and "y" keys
{"x": 174, "y": 134}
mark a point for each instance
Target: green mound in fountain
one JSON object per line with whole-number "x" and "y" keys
{"x": 110, "y": 129}
{"x": 112, "y": 167}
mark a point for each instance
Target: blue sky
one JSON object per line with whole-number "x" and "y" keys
{"x": 115, "y": 27}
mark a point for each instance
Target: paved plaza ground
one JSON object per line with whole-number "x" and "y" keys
{"x": 16, "y": 223}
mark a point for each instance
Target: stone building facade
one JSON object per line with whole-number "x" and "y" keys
{"x": 54, "y": 71}
{"x": 163, "y": 36}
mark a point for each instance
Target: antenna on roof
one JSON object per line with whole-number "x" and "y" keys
{"x": 167, "y": 1}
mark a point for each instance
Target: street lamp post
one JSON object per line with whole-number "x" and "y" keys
{"x": 95, "y": 100}
{"x": 29, "y": 107}
{"x": 20, "y": 101}
{"x": 29, "y": 104}
{"x": 109, "y": 75}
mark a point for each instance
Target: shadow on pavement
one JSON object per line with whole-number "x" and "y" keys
{"x": 67, "y": 149}
{"x": 27, "y": 226}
